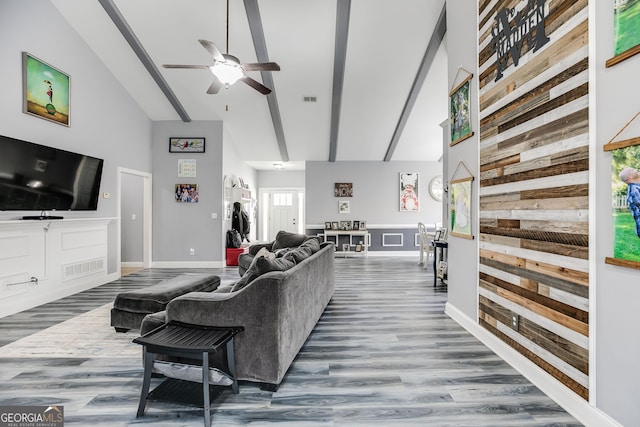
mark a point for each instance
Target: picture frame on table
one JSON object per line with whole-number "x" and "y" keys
{"x": 345, "y": 225}
{"x": 335, "y": 225}
{"x": 356, "y": 225}
{"x": 186, "y": 145}
{"x": 327, "y": 225}
{"x": 363, "y": 225}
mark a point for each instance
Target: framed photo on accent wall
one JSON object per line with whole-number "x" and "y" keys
{"x": 187, "y": 193}
{"x": 45, "y": 90}
{"x": 344, "y": 206}
{"x": 186, "y": 145}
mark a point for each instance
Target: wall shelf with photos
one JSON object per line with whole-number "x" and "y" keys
{"x": 357, "y": 241}
{"x": 345, "y": 225}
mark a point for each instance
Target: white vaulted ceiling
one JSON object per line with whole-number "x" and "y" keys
{"x": 387, "y": 105}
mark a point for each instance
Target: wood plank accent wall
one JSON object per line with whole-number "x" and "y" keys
{"x": 534, "y": 188}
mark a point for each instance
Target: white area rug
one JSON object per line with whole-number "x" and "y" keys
{"x": 87, "y": 335}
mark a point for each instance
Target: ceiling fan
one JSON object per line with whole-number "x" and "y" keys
{"x": 227, "y": 69}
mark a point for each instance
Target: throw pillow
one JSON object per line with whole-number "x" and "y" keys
{"x": 252, "y": 271}
{"x": 266, "y": 265}
{"x": 298, "y": 254}
{"x": 312, "y": 244}
{"x": 285, "y": 239}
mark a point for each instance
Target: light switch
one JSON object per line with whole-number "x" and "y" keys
{"x": 214, "y": 215}
{"x": 133, "y": 217}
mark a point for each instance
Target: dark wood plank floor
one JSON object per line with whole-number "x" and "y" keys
{"x": 384, "y": 353}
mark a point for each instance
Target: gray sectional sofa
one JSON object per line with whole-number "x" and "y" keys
{"x": 278, "y": 309}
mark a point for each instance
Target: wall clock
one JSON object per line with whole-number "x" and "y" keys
{"x": 435, "y": 188}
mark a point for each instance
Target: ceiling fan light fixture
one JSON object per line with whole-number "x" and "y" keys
{"x": 228, "y": 71}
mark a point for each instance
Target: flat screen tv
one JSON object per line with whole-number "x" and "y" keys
{"x": 35, "y": 177}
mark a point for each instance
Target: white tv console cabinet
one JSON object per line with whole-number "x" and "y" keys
{"x": 41, "y": 261}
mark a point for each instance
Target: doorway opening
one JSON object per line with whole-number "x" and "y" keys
{"x": 281, "y": 209}
{"x": 134, "y": 219}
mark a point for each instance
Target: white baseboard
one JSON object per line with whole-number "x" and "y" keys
{"x": 132, "y": 264}
{"x": 563, "y": 396}
{"x": 188, "y": 264}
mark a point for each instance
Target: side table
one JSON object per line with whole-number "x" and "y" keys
{"x": 440, "y": 253}
{"x": 192, "y": 342}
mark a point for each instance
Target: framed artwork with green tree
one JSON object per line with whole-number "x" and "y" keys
{"x": 625, "y": 203}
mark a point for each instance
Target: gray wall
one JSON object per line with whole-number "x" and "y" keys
{"x": 105, "y": 122}
{"x": 132, "y": 229}
{"x": 617, "y": 290}
{"x": 461, "y": 49}
{"x": 375, "y": 192}
{"x": 178, "y": 227}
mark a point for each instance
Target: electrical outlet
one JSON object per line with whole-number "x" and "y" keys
{"x": 192, "y": 251}
{"x": 515, "y": 322}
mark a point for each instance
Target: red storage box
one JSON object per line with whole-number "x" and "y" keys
{"x": 233, "y": 254}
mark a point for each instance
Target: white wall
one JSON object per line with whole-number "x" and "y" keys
{"x": 462, "y": 47}
{"x": 281, "y": 179}
{"x": 376, "y": 196}
{"x": 617, "y": 289}
{"x": 105, "y": 122}
{"x": 235, "y": 167}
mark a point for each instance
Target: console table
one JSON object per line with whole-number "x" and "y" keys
{"x": 350, "y": 233}
{"x": 190, "y": 342}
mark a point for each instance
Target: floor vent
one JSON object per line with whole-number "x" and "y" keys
{"x": 83, "y": 268}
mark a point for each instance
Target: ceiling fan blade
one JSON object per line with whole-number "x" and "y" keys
{"x": 256, "y": 85}
{"x": 261, "y": 66}
{"x": 193, "y": 67}
{"x": 213, "y": 50}
{"x": 215, "y": 87}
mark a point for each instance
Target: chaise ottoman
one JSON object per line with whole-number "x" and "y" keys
{"x": 129, "y": 308}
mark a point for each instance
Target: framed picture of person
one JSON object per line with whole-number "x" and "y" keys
{"x": 327, "y": 225}
{"x": 409, "y": 192}
{"x": 356, "y": 225}
{"x": 625, "y": 188}
{"x": 460, "y": 112}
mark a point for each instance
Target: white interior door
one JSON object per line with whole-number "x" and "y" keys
{"x": 284, "y": 211}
